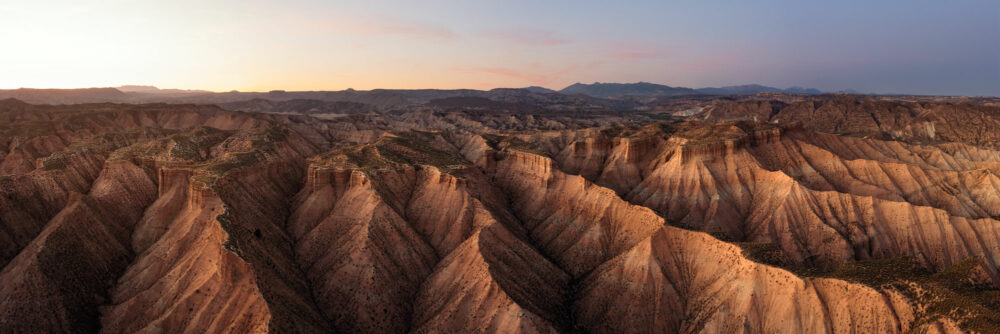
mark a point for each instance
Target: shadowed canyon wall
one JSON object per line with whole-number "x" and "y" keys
{"x": 184, "y": 218}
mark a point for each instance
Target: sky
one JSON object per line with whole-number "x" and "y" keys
{"x": 914, "y": 47}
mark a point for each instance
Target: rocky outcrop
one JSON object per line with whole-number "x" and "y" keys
{"x": 680, "y": 282}
{"x": 638, "y": 275}
{"x": 183, "y": 278}
{"x": 911, "y": 121}
{"x": 257, "y": 201}
{"x": 364, "y": 261}
{"x": 57, "y": 282}
{"x": 823, "y": 198}
{"x": 29, "y": 201}
{"x": 576, "y": 223}
{"x": 493, "y": 282}
{"x": 167, "y": 218}
{"x": 406, "y": 238}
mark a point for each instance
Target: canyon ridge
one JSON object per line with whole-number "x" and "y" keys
{"x": 595, "y": 209}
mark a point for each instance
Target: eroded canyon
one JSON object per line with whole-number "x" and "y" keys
{"x": 773, "y": 214}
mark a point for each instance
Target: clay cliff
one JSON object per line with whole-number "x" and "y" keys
{"x": 125, "y": 218}
{"x": 914, "y": 121}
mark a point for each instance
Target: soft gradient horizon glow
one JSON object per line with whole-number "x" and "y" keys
{"x": 913, "y": 47}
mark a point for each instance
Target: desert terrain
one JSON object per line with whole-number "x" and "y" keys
{"x": 596, "y": 209}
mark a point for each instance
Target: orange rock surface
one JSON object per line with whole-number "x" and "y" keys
{"x": 194, "y": 219}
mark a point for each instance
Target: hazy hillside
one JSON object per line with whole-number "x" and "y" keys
{"x": 610, "y": 90}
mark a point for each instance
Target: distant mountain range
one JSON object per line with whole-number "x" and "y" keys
{"x": 756, "y": 89}
{"x": 604, "y": 95}
{"x": 613, "y": 90}
{"x": 155, "y": 90}
{"x": 537, "y": 89}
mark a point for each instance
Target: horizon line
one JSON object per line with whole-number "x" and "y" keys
{"x": 196, "y": 90}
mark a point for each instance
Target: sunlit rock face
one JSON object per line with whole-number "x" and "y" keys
{"x": 187, "y": 218}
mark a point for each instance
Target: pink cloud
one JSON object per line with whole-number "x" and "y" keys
{"x": 530, "y": 37}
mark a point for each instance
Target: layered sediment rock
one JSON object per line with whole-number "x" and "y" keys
{"x": 57, "y": 282}
{"x": 183, "y": 278}
{"x": 824, "y": 199}
{"x": 195, "y": 219}
{"x": 638, "y": 275}
{"x": 424, "y": 253}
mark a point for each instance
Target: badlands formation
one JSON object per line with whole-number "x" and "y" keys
{"x": 822, "y": 214}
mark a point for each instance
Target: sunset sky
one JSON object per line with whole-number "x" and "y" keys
{"x": 920, "y": 47}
